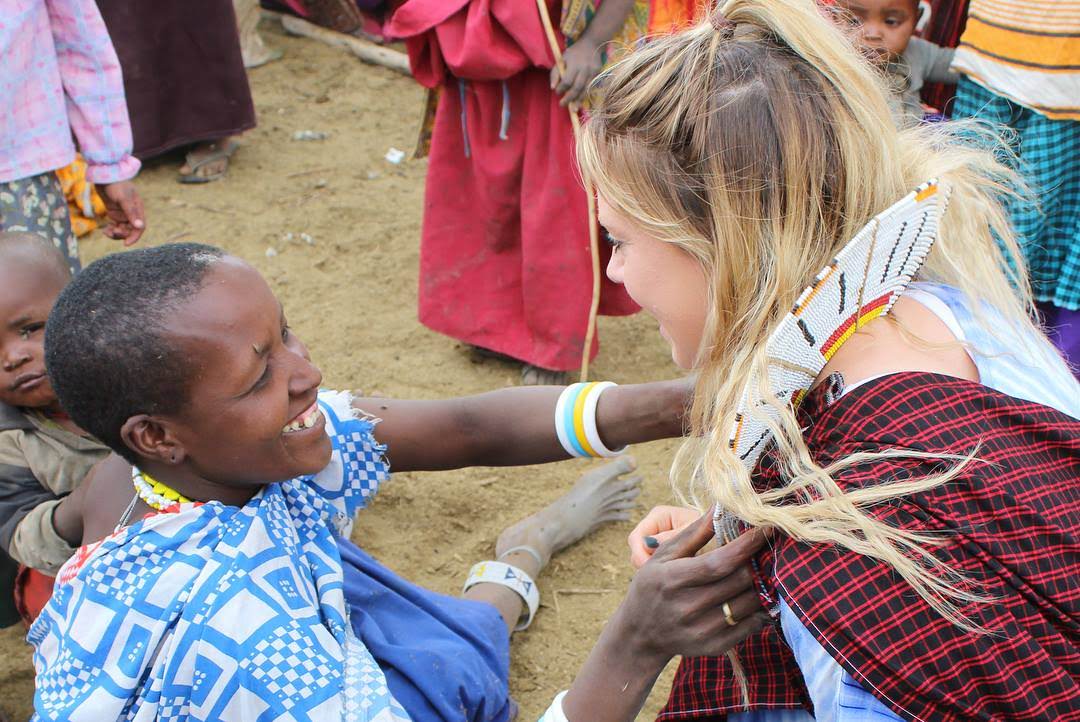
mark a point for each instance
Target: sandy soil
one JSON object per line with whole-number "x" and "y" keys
{"x": 350, "y": 294}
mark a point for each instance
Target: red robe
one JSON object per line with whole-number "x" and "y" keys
{"x": 504, "y": 255}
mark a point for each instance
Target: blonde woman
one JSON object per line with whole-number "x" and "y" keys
{"x": 923, "y": 497}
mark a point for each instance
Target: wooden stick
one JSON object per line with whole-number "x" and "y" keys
{"x": 366, "y": 51}
{"x": 590, "y": 197}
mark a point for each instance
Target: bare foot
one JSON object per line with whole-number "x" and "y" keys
{"x": 209, "y": 161}
{"x": 537, "y": 376}
{"x": 600, "y": 496}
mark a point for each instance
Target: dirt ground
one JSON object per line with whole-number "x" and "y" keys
{"x": 350, "y": 293}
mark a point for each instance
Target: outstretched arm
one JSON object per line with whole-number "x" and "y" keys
{"x": 517, "y": 426}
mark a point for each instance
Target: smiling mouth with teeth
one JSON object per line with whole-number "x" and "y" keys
{"x": 305, "y": 420}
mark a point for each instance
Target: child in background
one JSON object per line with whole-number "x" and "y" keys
{"x": 61, "y": 76}
{"x": 885, "y": 30}
{"x": 43, "y": 455}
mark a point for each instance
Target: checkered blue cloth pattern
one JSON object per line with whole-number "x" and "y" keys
{"x": 1049, "y": 160}
{"x": 215, "y": 612}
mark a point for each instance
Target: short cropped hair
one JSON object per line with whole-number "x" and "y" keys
{"x": 105, "y": 350}
{"x": 23, "y": 247}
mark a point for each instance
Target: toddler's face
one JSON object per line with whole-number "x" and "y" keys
{"x": 883, "y": 27}
{"x": 27, "y": 296}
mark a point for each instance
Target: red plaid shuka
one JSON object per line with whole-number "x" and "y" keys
{"x": 1011, "y": 521}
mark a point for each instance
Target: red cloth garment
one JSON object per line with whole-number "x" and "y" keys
{"x": 505, "y": 262}
{"x": 670, "y": 16}
{"x": 1010, "y": 521}
{"x": 947, "y": 21}
{"x": 32, "y": 592}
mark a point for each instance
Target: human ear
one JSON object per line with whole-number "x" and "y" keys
{"x": 151, "y": 437}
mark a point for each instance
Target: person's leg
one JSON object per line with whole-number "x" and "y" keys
{"x": 37, "y": 205}
{"x": 537, "y": 376}
{"x": 449, "y": 657}
{"x": 600, "y": 496}
{"x": 252, "y": 48}
{"x": 208, "y": 161}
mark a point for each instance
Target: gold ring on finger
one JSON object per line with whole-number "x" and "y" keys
{"x": 728, "y": 616}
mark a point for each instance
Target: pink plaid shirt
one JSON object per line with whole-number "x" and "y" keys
{"x": 61, "y": 76}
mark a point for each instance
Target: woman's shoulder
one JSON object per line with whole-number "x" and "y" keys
{"x": 932, "y": 413}
{"x": 912, "y": 338}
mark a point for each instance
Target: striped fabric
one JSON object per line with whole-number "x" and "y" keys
{"x": 1027, "y": 51}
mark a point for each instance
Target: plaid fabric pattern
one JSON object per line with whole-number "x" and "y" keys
{"x": 704, "y": 688}
{"x": 61, "y": 75}
{"x": 1010, "y": 520}
{"x": 1049, "y": 160}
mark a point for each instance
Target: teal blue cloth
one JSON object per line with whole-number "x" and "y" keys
{"x": 1049, "y": 160}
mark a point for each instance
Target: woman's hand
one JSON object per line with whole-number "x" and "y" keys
{"x": 683, "y": 596}
{"x": 678, "y": 604}
{"x": 659, "y": 525}
{"x": 582, "y": 63}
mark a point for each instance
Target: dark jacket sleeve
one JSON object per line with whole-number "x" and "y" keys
{"x": 20, "y": 492}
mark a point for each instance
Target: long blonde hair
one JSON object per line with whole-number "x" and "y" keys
{"x": 760, "y": 142}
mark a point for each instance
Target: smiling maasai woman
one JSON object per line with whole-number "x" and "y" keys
{"x": 218, "y": 581}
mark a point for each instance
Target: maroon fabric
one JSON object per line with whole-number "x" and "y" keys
{"x": 947, "y": 21}
{"x": 505, "y": 262}
{"x": 184, "y": 78}
{"x": 1011, "y": 521}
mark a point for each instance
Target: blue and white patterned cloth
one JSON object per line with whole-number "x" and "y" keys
{"x": 217, "y": 612}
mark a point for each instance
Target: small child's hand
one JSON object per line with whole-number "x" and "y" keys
{"x": 124, "y": 211}
{"x": 582, "y": 63}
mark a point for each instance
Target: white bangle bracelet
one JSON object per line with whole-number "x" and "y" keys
{"x": 560, "y": 426}
{"x": 591, "y": 432}
{"x": 555, "y": 711}
{"x": 575, "y": 420}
